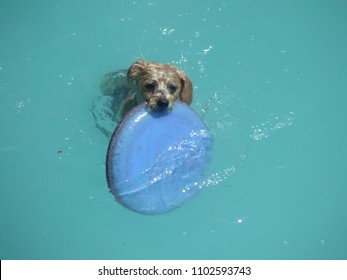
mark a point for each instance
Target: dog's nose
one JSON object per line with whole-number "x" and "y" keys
{"x": 163, "y": 103}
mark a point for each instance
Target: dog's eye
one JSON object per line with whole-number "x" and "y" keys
{"x": 149, "y": 86}
{"x": 172, "y": 88}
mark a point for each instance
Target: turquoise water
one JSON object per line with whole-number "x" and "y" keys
{"x": 269, "y": 81}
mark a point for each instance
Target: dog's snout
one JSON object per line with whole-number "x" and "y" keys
{"x": 163, "y": 103}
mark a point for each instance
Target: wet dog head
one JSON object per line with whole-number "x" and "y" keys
{"x": 160, "y": 85}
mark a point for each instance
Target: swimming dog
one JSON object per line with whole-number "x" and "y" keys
{"x": 159, "y": 85}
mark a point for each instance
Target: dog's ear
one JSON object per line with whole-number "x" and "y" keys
{"x": 186, "y": 94}
{"x": 135, "y": 70}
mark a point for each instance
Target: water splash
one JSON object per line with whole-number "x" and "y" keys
{"x": 206, "y": 50}
{"x": 218, "y": 177}
{"x": 166, "y": 30}
{"x": 273, "y": 123}
{"x": 21, "y": 105}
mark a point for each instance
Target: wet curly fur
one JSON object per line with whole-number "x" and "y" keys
{"x": 159, "y": 85}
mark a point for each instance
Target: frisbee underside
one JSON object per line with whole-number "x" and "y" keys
{"x": 156, "y": 161}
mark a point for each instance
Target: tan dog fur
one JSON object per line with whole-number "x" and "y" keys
{"x": 160, "y": 85}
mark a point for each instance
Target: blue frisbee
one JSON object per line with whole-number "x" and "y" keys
{"x": 156, "y": 161}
